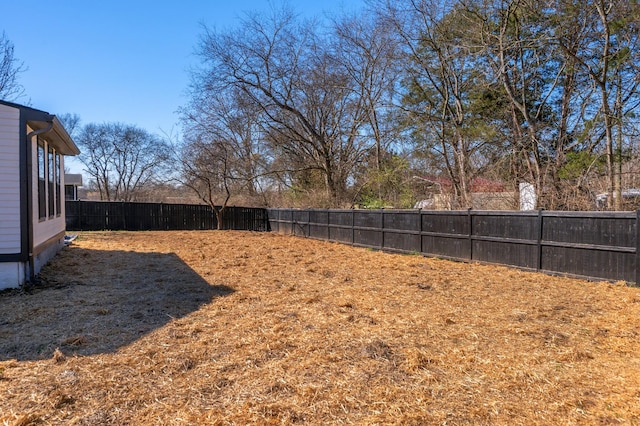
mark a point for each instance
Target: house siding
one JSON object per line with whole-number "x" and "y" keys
{"x": 12, "y": 274}
{"x": 9, "y": 180}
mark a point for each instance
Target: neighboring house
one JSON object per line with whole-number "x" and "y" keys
{"x": 33, "y": 144}
{"x": 485, "y": 194}
{"x": 72, "y": 182}
{"x": 630, "y": 199}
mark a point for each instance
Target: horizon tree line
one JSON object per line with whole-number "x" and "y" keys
{"x": 536, "y": 91}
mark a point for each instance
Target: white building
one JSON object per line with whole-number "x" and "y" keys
{"x": 33, "y": 144}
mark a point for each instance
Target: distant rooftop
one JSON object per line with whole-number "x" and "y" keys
{"x": 73, "y": 179}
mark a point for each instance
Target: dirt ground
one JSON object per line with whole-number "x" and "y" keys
{"x": 235, "y": 328}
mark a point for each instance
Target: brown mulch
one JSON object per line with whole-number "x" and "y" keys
{"x": 222, "y": 327}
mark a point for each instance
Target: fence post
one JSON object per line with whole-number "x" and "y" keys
{"x": 539, "y": 248}
{"x": 160, "y": 219}
{"x": 105, "y": 219}
{"x": 420, "y": 228}
{"x": 80, "y": 216}
{"x": 353, "y": 224}
{"x": 124, "y": 215}
{"x": 470, "y": 217}
{"x": 638, "y": 247}
{"x": 328, "y": 232}
{"x": 381, "y": 229}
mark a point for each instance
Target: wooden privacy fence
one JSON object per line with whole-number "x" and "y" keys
{"x": 593, "y": 245}
{"x": 102, "y": 215}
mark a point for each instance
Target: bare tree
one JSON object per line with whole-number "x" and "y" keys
{"x": 121, "y": 159}
{"x": 10, "y": 69}
{"x": 72, "y": 123}
{"x": 220, "y": 156}
{"x": 610, "y": 59}
{"x": 310, "y": 112}
{"x": 206, "y": 169}
{"x": 367, "y": 50}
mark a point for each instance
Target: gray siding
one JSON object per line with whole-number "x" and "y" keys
{"x": 9, "y": 180}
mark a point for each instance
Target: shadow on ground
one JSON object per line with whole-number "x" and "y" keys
{"x": 94, "y": 301}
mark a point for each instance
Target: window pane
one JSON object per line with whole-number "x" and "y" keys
{"x": 42, "y": 195}
{"x": 58, "y": 174}
{"x": 69, "y": 193}
{"x": 51, "y": 169}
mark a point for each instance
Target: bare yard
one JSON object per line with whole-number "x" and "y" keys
{"x": 182, "y": 328}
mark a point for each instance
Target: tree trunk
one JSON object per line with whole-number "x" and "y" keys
{"x": 219, "y": 217}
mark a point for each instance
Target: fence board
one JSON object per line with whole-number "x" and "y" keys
{"x": 615, "y": 230}
{"x": 448, "y": 246}
{"x": 402, "y": 220}
{"x": 341, "y": 225}
{"x": 402, "y": 242}
{"x": 591, "y": 263}
{"x": 517, "y": 226}
{"x": 507, "y": 253}
{"x": 368, "y": 219}
{"x": 319, "y": 224}
{"x": 367, "y": 237}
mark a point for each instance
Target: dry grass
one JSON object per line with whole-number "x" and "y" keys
{"x": 243, "y": 328}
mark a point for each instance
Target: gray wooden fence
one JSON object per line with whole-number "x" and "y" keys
{"x": 101, "y": 215}
{"x": 592, "y": 245}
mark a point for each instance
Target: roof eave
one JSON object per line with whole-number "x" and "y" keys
{"x": 58, "y": 134}
{"x": 38, "y": 119}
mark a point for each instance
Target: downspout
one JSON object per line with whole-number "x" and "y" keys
{"x": 31, "y": 274}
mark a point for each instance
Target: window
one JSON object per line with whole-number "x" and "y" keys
{"x": 58, "y": 174}
{"x": 49, "y": 181}
{"x": 51, "y": 169}
{"x": 70, "y": 192}
{"x": 42, "y": 191}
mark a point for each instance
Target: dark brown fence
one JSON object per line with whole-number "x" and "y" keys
{"x": 593, "y": 245}
{"x": 100, "y": 215}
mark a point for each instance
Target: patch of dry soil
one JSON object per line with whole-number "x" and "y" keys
{"x": 222, "y": 327}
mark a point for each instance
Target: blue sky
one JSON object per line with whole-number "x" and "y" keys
{"x": 121, "y": 61}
